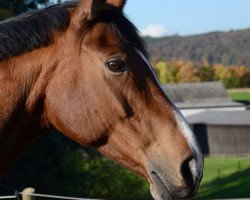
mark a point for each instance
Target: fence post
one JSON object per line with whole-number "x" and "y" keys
{"x": 26, "y": 194}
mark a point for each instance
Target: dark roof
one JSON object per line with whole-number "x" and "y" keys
{"x": 205, "y": 94}
{"x": 221, "y": 118}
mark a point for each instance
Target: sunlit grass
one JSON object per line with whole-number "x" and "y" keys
{"x": 225, "y": 178}
{"x": 239, "y": 94}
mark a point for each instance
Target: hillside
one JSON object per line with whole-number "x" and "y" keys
{"x": 228, "y": 48}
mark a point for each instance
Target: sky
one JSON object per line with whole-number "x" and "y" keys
{"x": 157, "y": 18}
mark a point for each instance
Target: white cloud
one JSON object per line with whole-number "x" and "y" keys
{"x": 154, "y": 30}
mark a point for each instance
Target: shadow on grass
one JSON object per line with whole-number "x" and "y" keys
{"x": 235, "y": 186}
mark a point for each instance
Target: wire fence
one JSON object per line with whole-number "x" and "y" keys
{"x": 55, "y": 196}
{"x": 9, "y": 197}
{"x": 25, "y": 196}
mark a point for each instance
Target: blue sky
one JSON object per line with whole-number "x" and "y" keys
{"x": 188, "y": 17}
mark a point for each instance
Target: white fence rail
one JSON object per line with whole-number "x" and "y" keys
{"x": 29, "y": 194}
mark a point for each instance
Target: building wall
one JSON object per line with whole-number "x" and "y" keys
{"x": 226, "y": 139}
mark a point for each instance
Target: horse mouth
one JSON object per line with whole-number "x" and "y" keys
{"x": 159, "y": 189}
{"x": 162, "y": 191}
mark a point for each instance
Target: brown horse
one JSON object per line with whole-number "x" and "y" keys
{"x": 81, "y": 68}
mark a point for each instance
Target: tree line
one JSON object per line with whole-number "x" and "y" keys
{"x": 183, "y": 72}
{"x": 9, "y": 8}
{"x": 228, "y": 48}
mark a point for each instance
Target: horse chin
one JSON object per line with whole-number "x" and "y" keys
{"x": 160, "y": 193}
{"x": 163, "y": 191}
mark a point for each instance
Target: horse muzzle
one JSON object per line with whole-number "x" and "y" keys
{"x": 164, "y": 186}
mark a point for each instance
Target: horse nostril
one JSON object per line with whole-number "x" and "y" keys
{"x": 188, "y": 170}
{"x": 154, "y": 173}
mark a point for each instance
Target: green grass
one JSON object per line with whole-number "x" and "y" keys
{"x": 225, "y": 178}
{"x": 239, "y": 94}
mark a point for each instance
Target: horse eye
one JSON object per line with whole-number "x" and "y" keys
{"x": 116, "y": 65}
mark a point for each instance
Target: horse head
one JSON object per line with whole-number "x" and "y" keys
{"x": 103, "y": 93}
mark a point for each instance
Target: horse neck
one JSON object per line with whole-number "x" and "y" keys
{"x": 20, "y": 120}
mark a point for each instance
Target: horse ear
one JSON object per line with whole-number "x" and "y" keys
{"x": 117, "y": 3}
{"x": 88, "y": 9}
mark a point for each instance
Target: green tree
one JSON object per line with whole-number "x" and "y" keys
{"x": 207, "y": 73}
{"x": 163, "y": 73}
{"x": 101, "y": 178}
{"x": 227, "y": 75}
{"x": 14, "y": 7}
{"x": 56, "y": 165}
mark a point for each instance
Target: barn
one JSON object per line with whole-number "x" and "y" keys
{"x": 221, "y": 125}
{"x": 222, "y": 132}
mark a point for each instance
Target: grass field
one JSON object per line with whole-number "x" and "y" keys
{"x": 225, "y": 178}
{"x": 239, "y": 94}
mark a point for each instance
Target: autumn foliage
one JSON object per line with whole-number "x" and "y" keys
{"x": 183, "y": 72}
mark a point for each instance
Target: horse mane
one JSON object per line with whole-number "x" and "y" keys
{"x": 37, "y": 28}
